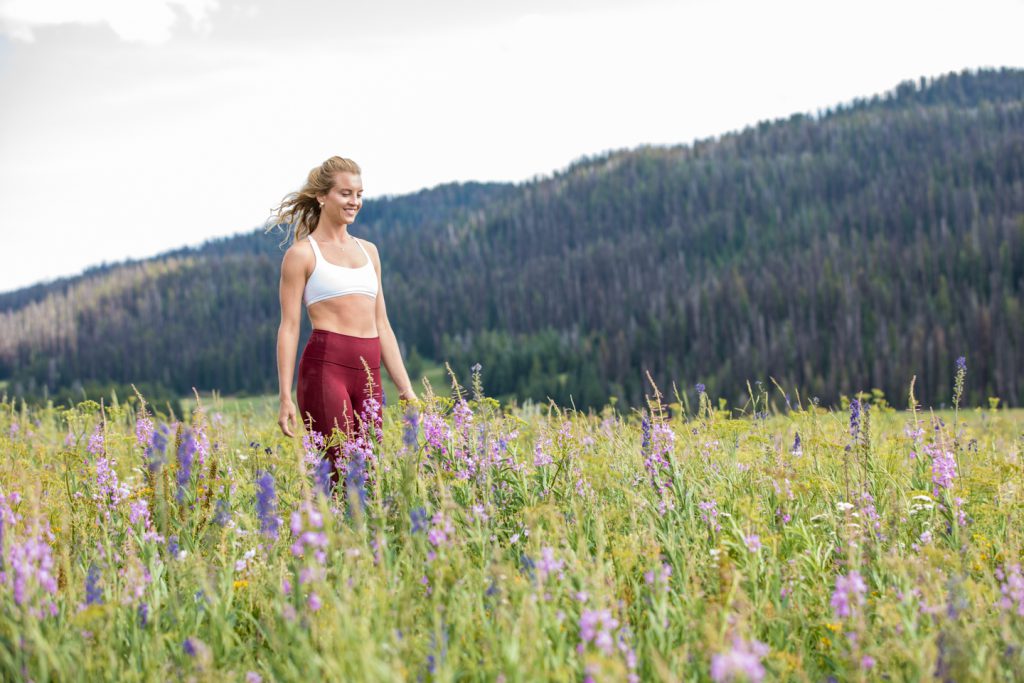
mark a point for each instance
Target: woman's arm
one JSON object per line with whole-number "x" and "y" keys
{"x": 390, "y": 356}
{"x": 293, "y": 280}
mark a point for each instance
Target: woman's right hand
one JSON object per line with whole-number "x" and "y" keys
{"x": 286, "y": 417}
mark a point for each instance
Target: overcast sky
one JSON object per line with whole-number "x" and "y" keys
{"x": 129, "y": 127}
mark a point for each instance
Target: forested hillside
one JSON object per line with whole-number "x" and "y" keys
{"x": 847, "y": 251}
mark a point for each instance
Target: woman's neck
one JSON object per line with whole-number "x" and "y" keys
{"x": 325, "y": 231}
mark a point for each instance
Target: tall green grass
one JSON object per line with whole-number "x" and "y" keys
{"x": 516, "y": 545}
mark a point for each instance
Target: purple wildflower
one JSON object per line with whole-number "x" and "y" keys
{"x": 143, "y": 612}
{"x": 266, "y": 504}
{"x": 1012, "y": 589}
{"x": 658, "y": 442}
{"x": 869, "y": 511}
{"x": 31, "y": 564}
{"x": 411, "y": 427}
{"x": 241, "y": 564}
{"x": 307, "y": 529}
{"x": 659, "y": 577}
{"x": 700, "y": 388}
{"x": 943, "y": 467}
{"x": 417, "y": 519}
{"x": 8, "y": 518}
{"x": 26, "y": 559}
{"x": 849, "y": 594}
{"x": 371, "y": 417}
{"x": 322, "y": 477}
{"x": 547, "y": 565}
{"x": 478, "y": 513}
{"x": 597, "y": 626}
{"x": 200, "y": 443}
{"x": 93, "y": 592}
{"x": 312, "y": 447}
{"x": 221, "y": 512}
{"x": 542, "y": 453}
{"x": 96, "y": 446}
{"x": 462, "y": 415}
{"x": 143, "y": 430}
{"x": 527, "y": 566}
{"x": 186, "y": 453}
{"x": 961, "y": 514}
{"x": 109, "y": 491}
{"x": 138, "y": 511}
{"x": 135, "y": 577}
{"x": 742, "y": 661}
{"x": 437, "y": 655}
{"x": 855, "y": 418}
{"x": 441, "y": 529}
{"x": 155, "y": 449}
{"x": 753, "y": 542}
{"x": 355, "y": 471}
{"x": 797, "y": 448}
{"x": 709, "y": 514}
{"x": 436, "y": 432}
{"x": 469, "y": 456}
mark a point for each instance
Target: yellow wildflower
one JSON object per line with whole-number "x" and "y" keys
{"x": 144, "y": 491}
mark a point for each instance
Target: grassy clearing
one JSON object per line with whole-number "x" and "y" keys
{"x": 266, "y": 406}
{"x": 520, "y": 545}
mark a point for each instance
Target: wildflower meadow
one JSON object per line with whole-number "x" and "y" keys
{"x": 471, "y": 541}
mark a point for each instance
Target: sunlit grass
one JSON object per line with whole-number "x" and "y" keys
{"x": 266, "y": 405}
{"x": 518, "y": 545}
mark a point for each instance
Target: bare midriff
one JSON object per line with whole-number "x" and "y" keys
{"x": 351, "y": 314}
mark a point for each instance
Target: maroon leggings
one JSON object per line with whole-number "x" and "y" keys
{"x": 333, "y": 384}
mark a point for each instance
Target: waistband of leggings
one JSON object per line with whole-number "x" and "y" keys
{"x": 342, "y": 349}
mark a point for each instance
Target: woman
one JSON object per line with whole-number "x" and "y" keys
{"x": 338, "y": 278}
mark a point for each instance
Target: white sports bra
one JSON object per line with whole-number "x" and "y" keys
{"x": 329, "y": 280}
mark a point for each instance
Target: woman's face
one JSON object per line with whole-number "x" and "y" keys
{"x": 345, "y": 199}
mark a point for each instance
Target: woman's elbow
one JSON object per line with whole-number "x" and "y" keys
{"x": 288, "y": 326}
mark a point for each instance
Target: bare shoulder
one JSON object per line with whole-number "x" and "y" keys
{"x": 371, "y": 250}
{"x": 299, "y": 256}
{"x": 370, "y": 246}
{"x": 300, "y": 251}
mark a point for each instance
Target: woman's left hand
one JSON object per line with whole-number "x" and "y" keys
{"x": 407, "y": 395}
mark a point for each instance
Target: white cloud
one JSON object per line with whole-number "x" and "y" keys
{"x": 134, "y": 21}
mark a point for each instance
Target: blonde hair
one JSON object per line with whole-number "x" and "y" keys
{"x": 301, "y": 210}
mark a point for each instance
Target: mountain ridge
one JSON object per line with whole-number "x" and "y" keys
{"x": 811, "y": 205}
{"x": 900, "y": 93}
